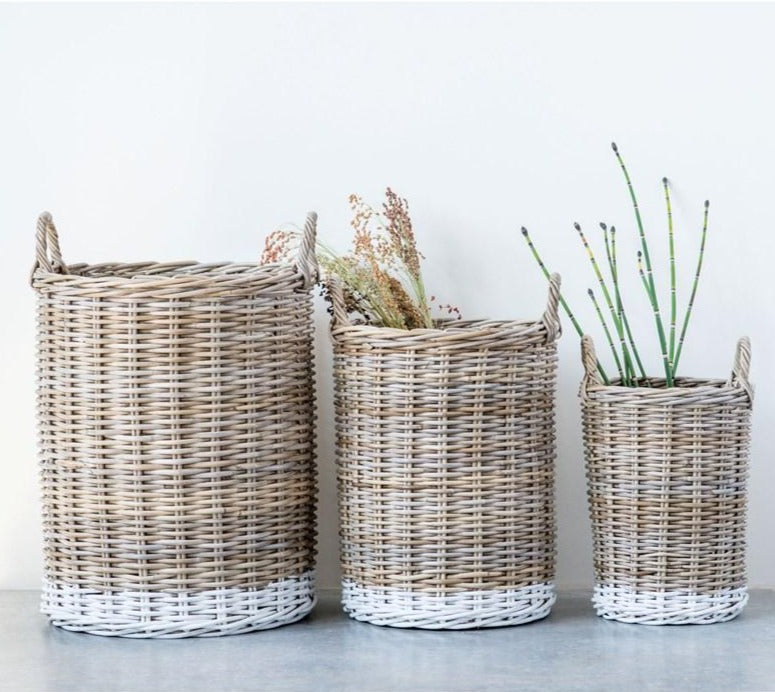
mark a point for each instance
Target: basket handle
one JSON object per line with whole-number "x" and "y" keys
{"x": 741, "y": 367}
{"x": 551, "y": 318}
{"x": 306, "y": 259}
{"x": 48, "y": 255}
{"x": 340, "y": 316}
{"x": 589, "y": 360}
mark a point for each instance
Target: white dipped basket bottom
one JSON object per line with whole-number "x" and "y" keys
{"x": 176, "y": 424}
{"x": 445, "y": 442}
{"x": 666, "y": 478}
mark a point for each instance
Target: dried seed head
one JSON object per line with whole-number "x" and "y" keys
{"x": 412, "y": 317}
{"x": 381, "y": 275}
{"x": 278, "y": 247}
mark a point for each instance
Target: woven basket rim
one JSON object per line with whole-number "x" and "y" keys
{"x": 163, "y": 273}
{"x": 498, "y": 334}
{"x": 658, "y": 384}
{"x": 689, "y": 391}
{"x": 50, "y": 271}
{"x": 692, "y": 391}
{"x": 447, "y": 331}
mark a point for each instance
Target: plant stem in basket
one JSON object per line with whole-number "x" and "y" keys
{"x": 609, "y": 238}
{"x": 671, "y": 350}
{"x": 619, "y": 304}
{"x": 652, "y": 294}
{"x": 609, "y": 303}
{"x": 694, "y": 285}
{"x": 564, "y": 304}
{"x": 607, "y": 331}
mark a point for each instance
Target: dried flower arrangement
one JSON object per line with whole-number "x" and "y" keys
{"x": 381, "y": 278}
{"x": 621, "y": 341}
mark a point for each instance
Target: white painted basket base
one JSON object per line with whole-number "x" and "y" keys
{"x": 669, "y": 607}
{"x": 456, "y": 611}
{"x": 162, "y": 614}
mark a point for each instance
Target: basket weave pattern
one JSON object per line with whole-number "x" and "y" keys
{"x": 445, "y": 451}
{"x": 667, "y": 471}
{"x": 176, "y": 443}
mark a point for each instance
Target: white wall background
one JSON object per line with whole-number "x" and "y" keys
{"x": 172, "y": 132}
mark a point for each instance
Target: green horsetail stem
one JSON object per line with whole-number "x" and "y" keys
{"x": 610, "y": 250}
{"x": 607, "y": 331}
{"x": 564, "y": 304}
{"x": 646, "y": 287}
{"x": 609, "y": 303}
{"x": 548, "y": 275}
{"x": 671, "y": 347}
{"x": 651, "y": 290}
{"x": 641, "y": 272}
{"x": 609, "y": 253}
{"x": 620, "y": 304}
{"x": 694, "y": 286}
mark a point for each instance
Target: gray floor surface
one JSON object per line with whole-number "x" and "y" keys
{"x": 570, "y": 650}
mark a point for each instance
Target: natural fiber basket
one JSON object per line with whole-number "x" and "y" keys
{"x": 666, "y": 472}
{"x": 445, "y": 451}
{"x": 176, "y": 423}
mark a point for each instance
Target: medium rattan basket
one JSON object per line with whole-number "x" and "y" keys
{"x": 445, "y": 452}
{"x": 666, "y": 472}
{"x": 176, "y": 443}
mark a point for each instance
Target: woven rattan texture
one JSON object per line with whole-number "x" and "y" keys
{"x": 445, "y": 450}
{"x": 176, "y": 424}
{"x": 667, "y": 471}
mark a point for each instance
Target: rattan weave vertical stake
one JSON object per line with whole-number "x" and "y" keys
{"x": 445, "y": 452}
{"x": 176, "y": 443}
{"x": 667, "y": 471}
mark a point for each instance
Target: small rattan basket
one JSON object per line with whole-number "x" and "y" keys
{"x": 666, "y": 472}
{"x": 176, "y": 443}
{"x": 445, "y": 451}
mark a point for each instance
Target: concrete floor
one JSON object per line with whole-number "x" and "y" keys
{"x": 570, "y": 650}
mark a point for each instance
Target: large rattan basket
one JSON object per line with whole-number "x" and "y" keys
{"x": 445, "y": 452}
{"x": 176, "y": 424}
{"x": 667, "y": 471}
